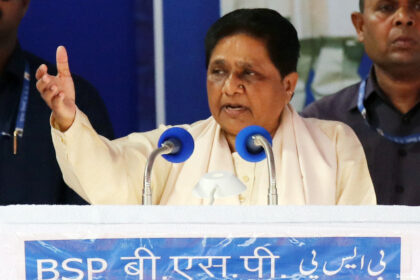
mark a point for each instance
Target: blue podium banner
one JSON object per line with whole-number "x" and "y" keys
{"x": 332, "y": 258}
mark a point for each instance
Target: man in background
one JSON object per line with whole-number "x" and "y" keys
{"x": 29, "y": 173}
{"x": 384, "y": 109}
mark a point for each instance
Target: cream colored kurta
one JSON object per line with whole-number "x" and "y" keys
{"x": 317, "y": 162}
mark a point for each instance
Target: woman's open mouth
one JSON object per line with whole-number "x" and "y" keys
{"x": 234, "y": 110}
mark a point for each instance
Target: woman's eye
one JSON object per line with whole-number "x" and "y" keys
{"x": 249, "y": 73}
{"x": 217, "y": 71}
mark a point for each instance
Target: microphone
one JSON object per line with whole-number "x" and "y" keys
{"x": 253, "y": 143}
{"x": 175, "y": 145}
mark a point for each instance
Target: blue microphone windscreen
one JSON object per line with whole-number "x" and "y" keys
{"x": 245, "y": 145}
{"x": 182, "y": 139}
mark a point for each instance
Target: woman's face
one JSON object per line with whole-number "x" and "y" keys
{"x": 244, "y": 87}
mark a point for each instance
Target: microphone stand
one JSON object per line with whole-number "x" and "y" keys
{"x": 272, "y": 189}
{"x": 166, "y": 148}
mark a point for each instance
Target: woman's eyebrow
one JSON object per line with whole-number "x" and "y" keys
{"x": 218, "y": 62}
{"x": 246, "y": 65}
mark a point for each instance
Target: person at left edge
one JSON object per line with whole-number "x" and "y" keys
{"x": 32, "y": 175}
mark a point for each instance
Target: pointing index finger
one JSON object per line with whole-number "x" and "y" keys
{"x": 62, "y": 62}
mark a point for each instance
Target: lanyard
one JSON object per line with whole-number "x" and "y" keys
{"x": 23, "y": 105}
{"x": 414, "y": 138}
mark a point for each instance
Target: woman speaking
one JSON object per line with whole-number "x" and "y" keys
{"x": 251, "y": 57}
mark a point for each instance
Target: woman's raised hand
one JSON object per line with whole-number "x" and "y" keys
{"x": 58, "y": 91}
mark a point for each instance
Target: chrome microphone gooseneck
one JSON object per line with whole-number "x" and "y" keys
{"x": 272, "y": 188}
{"x": 166, "y": 148}
{"x": 253, "y": 143}
{"x": 175, "y": 145}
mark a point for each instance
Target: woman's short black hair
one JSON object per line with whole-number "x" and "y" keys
{"x": 361, "y": 5}
{"x": 277, "y": 32}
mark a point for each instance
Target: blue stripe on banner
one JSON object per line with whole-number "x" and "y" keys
{"x": 328, "y": 258}
{"x": 185, "y": 26}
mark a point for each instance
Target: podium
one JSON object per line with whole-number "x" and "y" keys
{"x": 209, "y": 242}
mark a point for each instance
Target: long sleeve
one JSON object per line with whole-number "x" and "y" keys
{"x": 104, "y": 171}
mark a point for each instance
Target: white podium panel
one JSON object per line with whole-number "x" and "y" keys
{"x": 214, "y": 242}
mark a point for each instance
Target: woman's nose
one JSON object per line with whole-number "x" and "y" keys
{"x": 233, "y": 85}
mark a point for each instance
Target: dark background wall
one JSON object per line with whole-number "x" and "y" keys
{"x": 185, "y": 25}
{"x": 110, "y": 43}
{"x": 100, "y": 38}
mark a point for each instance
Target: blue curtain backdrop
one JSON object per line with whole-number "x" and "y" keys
{"x": 100, "y": 38}
{"x": 111, "y": 44}
{"x": 185, "y": 26}
{"x": 145, "y": 68}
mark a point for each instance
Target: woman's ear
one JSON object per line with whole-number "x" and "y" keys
{"x": 289, "y": 84}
